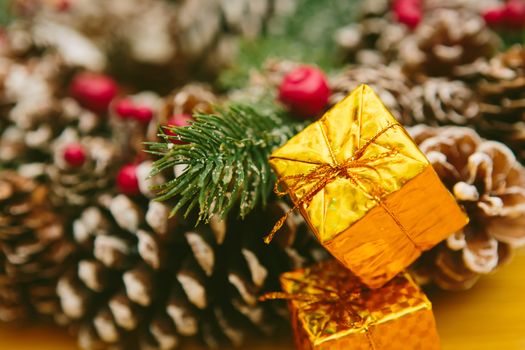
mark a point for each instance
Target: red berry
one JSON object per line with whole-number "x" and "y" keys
{"x": 127, "y": 181}
{"x": 408, "y": 12}
{"x": 178, "y": 120}
{"x": 74, "y": 155}
{"x": 305, "y": 91}
{"x": 143, "y": 114}
{"x": 124, "y": 108}
{"x": 514, "y": 14}
{"x": 62, "y": 5}
{"x": 494, "y": 17}
{"x": 93, "y": 91}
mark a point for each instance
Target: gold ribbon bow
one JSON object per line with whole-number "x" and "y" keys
{"x": 334, "y": 298}
{"x": 342, "y": 305}
{"x": 323, "y": 174}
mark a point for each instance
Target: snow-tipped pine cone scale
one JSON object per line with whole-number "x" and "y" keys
{"x": 489, "y": 183}
{"x": 145, "y": 282}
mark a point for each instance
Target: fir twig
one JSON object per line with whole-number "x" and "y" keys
{"x": 225, "y": 157}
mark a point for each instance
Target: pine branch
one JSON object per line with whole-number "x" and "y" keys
{"x": 225, "y": 157}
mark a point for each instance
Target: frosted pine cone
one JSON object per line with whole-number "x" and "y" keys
{"x": 489, "y": 184}
{"x": 77, "y": 185}
{"x": 387, "y": 81}
{"x": 146, "y": 282}
{"x": 34, "y": 114}
{"x": 189, "y": 99}
{"x": 374, "y": 38}
{"x": 34, "y": 249}
{"x": 445, "y": 40}
{"x": 500, "y": 86}
{"x": 439, "y": 101}
{"x": 154, "y": 43}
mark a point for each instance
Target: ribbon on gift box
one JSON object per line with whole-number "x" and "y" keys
{"x": 325, "y": 173}
{"x": 331, "y": 299}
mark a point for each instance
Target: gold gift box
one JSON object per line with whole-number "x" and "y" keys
{"x": 331, "y": 310}
{"x": 368, "y": 193}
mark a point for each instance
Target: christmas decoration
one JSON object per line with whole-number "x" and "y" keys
{"x": 34, "y": 249}
{"x": 331, "y": 309}
{"x": 442, "y": 101}
{"x": 93, "y": 91}
{"x": 445, "y": 41}
{"x": 389, "y": 82}
{"x": 514, "y": 14}
{"x": 499, "y": 85}
{"x": 127, "y": 180}
{"x": 408, "y": 12}
{"x": 178, "y": 120}
{"x": 219, "y": 152}
{"x": 76, "y": 185}
{"x": 189, "y": 99}
{"x": 146, "y": 280}
{"x": 375, "y": 38}
{"x": 486, "y": 180}
{"x": 366, "y": 194}
{"x": 153, "y": 43}
{"x": 304, "y": 91}
{"x": 111, "y": 119}
{"x": 74, "y": 155}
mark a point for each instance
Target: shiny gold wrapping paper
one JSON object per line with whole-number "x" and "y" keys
{"x": 332, "y": 310}
{"x": 366, "y": 190}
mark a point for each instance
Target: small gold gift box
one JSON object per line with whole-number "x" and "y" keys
{"x": 366, "y": 190}
{"x": 332, "y": 310}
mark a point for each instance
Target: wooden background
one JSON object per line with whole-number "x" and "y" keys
{"x": 490, "y": 316}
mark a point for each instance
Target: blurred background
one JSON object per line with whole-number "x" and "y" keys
{"x": 90, "y": 260}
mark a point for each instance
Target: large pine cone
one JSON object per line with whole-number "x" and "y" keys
{"x": 33, "y": 115}
{"x": 489, "y": 184}
{"x": 374, "y": 38}
{"x": 34, "y": 249}
{"x": 388, "y": 82}
{"x": 145, "y": 282}
{"x": 439, "y": 101}
{"x": 500, "y": 85}
{"x": 445, "y": 40}
{"x": 153, "y": 43}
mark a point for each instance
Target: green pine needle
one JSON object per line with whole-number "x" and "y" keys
{"x": 225, "y": 157}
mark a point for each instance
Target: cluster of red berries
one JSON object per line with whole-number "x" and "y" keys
{"x": 96, "y": 92}
{"x": 304, "y": 91}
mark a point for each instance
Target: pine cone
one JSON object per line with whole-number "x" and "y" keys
{"x": 374, "y": 38}
{"x": 264, "y": 82}
{"x": 154, "y": 44}
{"x": 34, "y": 114}
{"x": 78, "y": 186}
{"x": 500, "y": 86}
{"x": 34, "y": 249}
{"x": 388, "y": 82}
{"x": 445, "y": 40}
{"x": 129, "y": 134}
{"x": 489, "y": 184}
{"x": 439, "y": 101}
{"x": 189, "y": 99}
{"x": 145, "y": 282}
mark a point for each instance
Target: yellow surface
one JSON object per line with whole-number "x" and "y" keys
{"x": 491, "y": 316}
